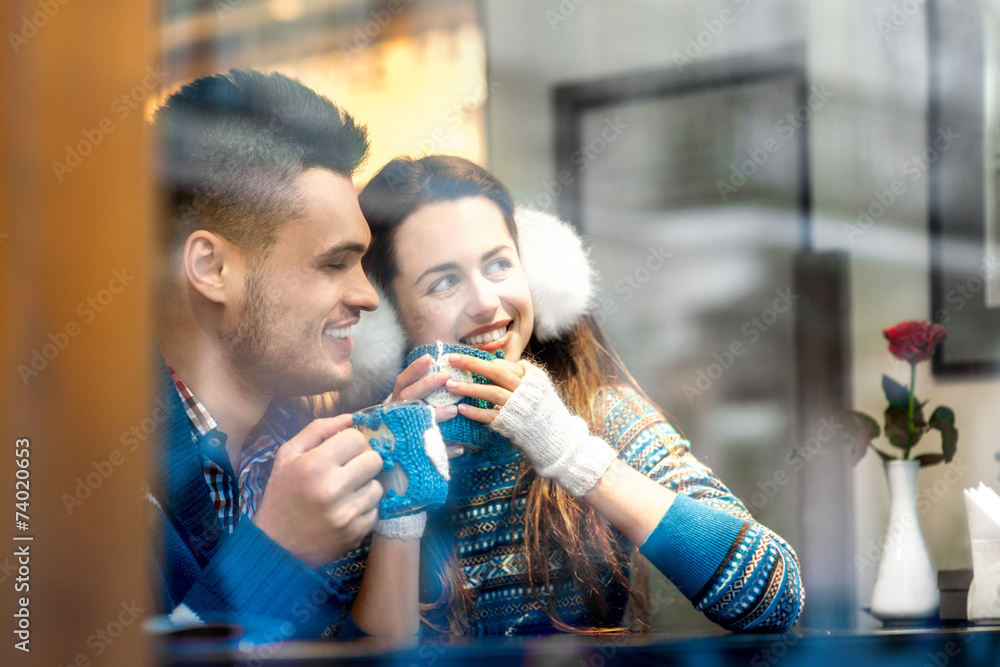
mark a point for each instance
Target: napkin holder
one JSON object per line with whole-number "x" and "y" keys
{"x": 983, "y": 507}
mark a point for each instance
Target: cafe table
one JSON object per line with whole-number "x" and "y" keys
{"x": 909, "y": 647}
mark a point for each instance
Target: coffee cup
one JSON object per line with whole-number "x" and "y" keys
{"x": 414, "y": 460}
{"x": 471, "y": 434}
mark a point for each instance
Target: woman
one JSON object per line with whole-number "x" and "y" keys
{"x": 543, "y": 539}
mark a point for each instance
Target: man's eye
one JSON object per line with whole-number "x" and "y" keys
{"x": 443, "y": 284}
{"x": 497, "y": 266}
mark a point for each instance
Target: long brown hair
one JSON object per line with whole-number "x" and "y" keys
{"x": 583, "y": 365}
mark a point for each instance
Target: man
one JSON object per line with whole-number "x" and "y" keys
{"x": 259, "y": 292}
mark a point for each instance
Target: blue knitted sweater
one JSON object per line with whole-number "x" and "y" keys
{"x": 200, "y": 574}
{"x": 741, "y": 575}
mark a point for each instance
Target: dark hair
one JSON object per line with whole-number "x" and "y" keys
{"x": 404, "y": 185}
{"x": 232, "y": 147}
{"x": 582, "y": 363}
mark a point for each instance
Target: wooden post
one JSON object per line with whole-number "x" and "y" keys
{"x": 75, "y": 256}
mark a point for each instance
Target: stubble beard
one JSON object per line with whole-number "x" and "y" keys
{"x": 264, "y": 364}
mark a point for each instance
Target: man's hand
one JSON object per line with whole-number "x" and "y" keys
{"x": 322, "y": 498}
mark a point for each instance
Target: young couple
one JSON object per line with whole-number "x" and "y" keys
{"x": 257, "y": 516}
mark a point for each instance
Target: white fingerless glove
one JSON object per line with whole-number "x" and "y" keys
{"x": 556, "y": 442}
{"x": 409, "y": 527}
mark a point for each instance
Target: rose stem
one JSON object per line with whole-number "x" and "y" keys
{"x": 909, "y": 411}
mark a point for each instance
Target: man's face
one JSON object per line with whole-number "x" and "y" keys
{"x": 292, "y": 333}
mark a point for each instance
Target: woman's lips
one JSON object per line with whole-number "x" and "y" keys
{"x": 485, "y": 335}
{"x": 493, "y": 344}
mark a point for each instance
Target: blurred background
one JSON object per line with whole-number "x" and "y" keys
{"x": 765, "y": 185}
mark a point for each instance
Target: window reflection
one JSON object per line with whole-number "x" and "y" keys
{"x": 414, "y": 72}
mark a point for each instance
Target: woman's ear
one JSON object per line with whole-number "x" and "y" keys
{"x": 209, "y": 263}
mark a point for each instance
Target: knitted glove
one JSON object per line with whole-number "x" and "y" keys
{"x": 409, "y": 527}
{"x": 414, "y": 450}
{"x": 554, "y": 440}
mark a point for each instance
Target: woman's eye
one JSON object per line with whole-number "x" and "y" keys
{"x": 497, "y": 266}
{"x": 443, "y": 284}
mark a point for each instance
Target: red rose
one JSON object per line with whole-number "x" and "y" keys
{"x": 914, "y": 340}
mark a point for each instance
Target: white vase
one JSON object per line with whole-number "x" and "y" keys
{"x": 906, "y": 588}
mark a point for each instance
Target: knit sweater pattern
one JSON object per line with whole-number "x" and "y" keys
{"x": 740, "y": 574}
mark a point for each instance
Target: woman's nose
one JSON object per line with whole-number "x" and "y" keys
{"x": 483, "y": 298}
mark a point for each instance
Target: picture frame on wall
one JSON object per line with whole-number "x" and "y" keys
{"x": 963, "y": 152}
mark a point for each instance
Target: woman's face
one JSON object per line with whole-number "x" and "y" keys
{"x": 460, "y": 278}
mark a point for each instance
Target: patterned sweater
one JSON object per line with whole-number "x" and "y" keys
{"x": 738, "y": 573}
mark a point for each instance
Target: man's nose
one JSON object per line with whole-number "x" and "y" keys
{"x": 361, "y": 294}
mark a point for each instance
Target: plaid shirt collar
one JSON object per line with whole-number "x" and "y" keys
{"x": 199, "y": 415}
{"x": 211, "y": 445}
{"x": 278, "y": 425}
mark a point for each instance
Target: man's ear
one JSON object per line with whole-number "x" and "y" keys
{"x": 211, "y": 264}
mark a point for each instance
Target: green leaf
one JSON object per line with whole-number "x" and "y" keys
{"x": 943, "y": 420}
{"x": 896, "y": 393}
{"x": 942, "y": 414}
{"x": 859, "y": 431}
{"x": 895, "y": 425}
{"x": 883, "y": 455}
{"x": 929, "y": 459}
{"x": 855, "y": 421}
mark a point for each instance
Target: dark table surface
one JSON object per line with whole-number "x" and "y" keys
{"x": 912, "y": 647}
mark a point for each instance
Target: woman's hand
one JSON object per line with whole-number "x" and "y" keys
{"x": 505, "y": 375}
{"x": 533, "y": 416}
{"x": 411, "y": 386}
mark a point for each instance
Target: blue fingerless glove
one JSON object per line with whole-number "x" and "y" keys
{"x": 418, "y": 450}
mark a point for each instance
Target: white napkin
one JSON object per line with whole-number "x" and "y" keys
{"x": 982, "y": 505}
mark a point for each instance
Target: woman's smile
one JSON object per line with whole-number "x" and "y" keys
{"x": 489, "y": 338}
